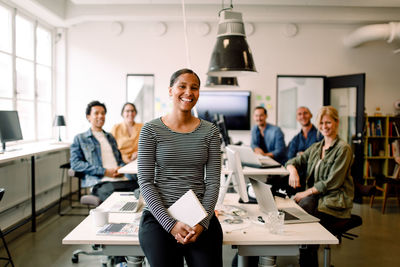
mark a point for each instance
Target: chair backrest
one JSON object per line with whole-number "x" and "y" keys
{"x": 2, "y": 193}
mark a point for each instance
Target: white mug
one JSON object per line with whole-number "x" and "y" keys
{"x": 99, "y": 216}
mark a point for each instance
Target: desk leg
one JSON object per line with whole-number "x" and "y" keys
{"x": 243, "y": 261}
{"x": 33, "y": 198}
{"x": 327, "y": 256}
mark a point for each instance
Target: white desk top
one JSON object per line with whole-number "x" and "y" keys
{"x": 249, "y": 233}
{"x": 257, "y": 234}
{"x": 28, "y": 150}
{"x": 132, "y": 168}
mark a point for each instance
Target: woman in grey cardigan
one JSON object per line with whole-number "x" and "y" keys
{"x": 329, "y": 186}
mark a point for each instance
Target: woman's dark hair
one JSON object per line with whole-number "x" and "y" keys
{"x": 178, "y": 73}
{"x": 128, "y": 103}
{"x": 93, "y": 104}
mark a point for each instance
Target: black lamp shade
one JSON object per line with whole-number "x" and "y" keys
{"x": 214, "y": 81}
{"x": 59, "y": 120}
{"x": 231, "y": 57}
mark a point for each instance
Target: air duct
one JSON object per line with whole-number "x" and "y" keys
{"x": 375, "y": 32}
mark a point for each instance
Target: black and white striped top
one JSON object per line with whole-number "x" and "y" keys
{"x": 171, "y": 163}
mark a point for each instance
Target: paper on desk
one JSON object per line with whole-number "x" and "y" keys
{"x": 188, "y": 209}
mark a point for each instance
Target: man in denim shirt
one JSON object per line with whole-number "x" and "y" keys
{"x": 306, "y": 137}
{"x": 95, "y": 152}
{"x": 267, "y": 139}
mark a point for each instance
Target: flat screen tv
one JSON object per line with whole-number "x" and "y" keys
{"x": 233, "y": 105}
{"x": 10, "y": 129}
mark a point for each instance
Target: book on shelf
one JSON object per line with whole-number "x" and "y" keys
{"x": 378, "y": 130}
{"x": 396, "y": 126}
{"x": 396, "y": 172}
{"x": 396, "y": 148}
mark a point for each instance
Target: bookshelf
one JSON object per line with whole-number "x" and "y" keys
{"x": 382, "y": 142}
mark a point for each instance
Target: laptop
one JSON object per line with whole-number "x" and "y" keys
{"x": 130, "y": 205}
{"x": 251, "y": 159}
{"x": 266, "y": 203}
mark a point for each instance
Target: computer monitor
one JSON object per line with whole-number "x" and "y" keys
{"x": 234, "y": 105}
{"x": 10, "y": 129}
{"x": 219, "y": 121}
{"x": 235, "y": 165}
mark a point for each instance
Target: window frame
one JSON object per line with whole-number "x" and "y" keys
{"x": 36, "y": 101}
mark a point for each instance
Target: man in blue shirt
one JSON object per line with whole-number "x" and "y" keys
{"x": 267, "y": 139}
{"x": 306, "y": 137}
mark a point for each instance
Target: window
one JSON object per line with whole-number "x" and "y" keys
{"x": 30, "y": 92}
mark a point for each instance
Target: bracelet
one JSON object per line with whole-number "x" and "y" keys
{"x": 312, "y": 191}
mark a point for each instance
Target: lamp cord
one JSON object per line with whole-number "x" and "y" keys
{"x": 185, "y": 35}
{"x": 223, "y": 8}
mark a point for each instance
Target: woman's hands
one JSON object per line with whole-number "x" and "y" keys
{"x": 185, "y": 234}
{"x": 294, "y": 178}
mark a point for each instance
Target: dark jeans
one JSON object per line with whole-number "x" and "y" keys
{"x": 162, "y": 250}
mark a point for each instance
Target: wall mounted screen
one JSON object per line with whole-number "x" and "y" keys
{"x": 234, "y": 105}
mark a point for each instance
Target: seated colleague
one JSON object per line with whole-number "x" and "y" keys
{"x": 329, "y": 186}
{"x": 306, "y": 137}
{"x": 95, "y": 151}
{"x": 127, "y": 133}
{"x": 267, "y": 139}
{"x": 178, "y": 152}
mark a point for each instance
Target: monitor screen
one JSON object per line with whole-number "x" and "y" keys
{"x": 10, "y": 129}
{"x": 234, "y": 105}
{"x": 235, "y": 165}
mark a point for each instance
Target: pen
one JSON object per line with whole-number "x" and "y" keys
{"x": 126, "y": 194}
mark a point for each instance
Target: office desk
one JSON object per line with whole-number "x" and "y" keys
{"x": 132, "y": 168}
{"x": 31, "y": 151}
{"x": 251, "y": 239}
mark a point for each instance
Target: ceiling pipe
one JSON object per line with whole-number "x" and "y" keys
{"x": 375, "y": 32}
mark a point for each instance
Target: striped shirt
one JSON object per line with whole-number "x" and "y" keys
{"x": 171, "y": 163}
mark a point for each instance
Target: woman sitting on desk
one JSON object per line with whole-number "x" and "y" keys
{"x": 178, "y": 152}
{"x": 329, "y": 186}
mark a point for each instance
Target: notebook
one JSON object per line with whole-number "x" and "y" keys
{"x": 266, "y": 203}
{"x": 119, "y": 229}
{"x": 251, "y": 159}
{"x": 188, "y": 209}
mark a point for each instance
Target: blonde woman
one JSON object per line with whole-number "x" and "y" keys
{"x": 329, "y": 186}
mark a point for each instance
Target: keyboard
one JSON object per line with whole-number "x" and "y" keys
{"x": 129, "y": 206}
{"x": 289, "y": 216}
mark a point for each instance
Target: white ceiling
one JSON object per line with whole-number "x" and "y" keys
{"x": 353, "y": 3}
{"x": 65, "y": 13}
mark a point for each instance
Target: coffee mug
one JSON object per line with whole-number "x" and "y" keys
{"x": 99, "y": 216}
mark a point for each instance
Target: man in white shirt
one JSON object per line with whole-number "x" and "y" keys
{"x": 95, "y": 152}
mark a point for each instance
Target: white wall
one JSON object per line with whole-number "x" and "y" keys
{"x": 98, "y": 62}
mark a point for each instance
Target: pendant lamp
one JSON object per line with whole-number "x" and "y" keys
{"x": 231, "y": 56}
{"x": 214, "y": 81}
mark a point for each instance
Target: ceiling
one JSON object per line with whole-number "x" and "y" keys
{"x": 66, "y": 13}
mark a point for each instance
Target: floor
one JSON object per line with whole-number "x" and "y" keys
{"x": 377, "y": 245}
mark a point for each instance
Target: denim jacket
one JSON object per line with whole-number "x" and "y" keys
{"x": 274, "y": 140}
{"x": 86, "y": 156}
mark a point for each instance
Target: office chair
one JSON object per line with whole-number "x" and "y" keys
{"x": 385, "y": 185}
{"x": 341, "y": 229}
{"x": 8, "y": 258}
{"x": 66, "y": 169}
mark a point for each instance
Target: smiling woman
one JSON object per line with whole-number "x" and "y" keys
{"x": 178, "y": 152}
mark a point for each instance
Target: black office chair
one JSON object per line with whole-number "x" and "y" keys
{"x": 341, "y": 229}
{"x": 66, "y": 169}
{"x": 8, "y": 258}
